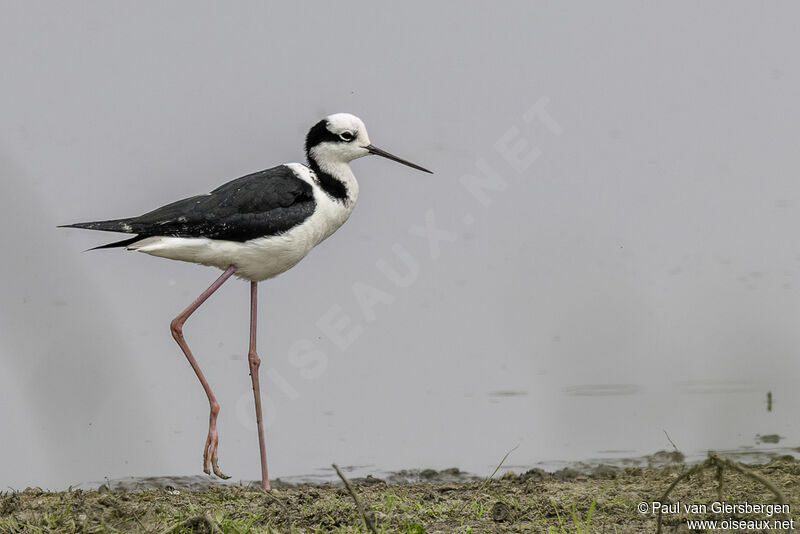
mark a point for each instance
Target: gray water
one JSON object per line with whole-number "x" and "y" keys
{"x": 603, "y": 262}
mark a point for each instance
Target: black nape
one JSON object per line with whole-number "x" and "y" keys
{"x": 319, "y": 133}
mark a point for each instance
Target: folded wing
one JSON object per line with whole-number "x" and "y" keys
{"x": 265, "y": 203}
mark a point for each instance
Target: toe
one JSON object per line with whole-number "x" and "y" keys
{"x": 219, "y": 473}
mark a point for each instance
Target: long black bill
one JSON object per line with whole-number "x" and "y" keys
{"x": 378, "y": 152}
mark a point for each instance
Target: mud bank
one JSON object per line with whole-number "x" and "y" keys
{"x": 433, "y": 501}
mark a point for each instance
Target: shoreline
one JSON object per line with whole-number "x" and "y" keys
{"x": 534, "y": 501}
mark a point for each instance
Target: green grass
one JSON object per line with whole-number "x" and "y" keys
{"x": 540, "y": 503}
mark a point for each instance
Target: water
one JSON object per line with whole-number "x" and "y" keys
{"x": 633, "y": 286}
{"x": 595, "y": 424}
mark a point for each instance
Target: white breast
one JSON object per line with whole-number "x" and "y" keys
{"x": 263, "y": 257}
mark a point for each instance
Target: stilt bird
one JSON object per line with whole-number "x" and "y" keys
{"x": 255, "y": 228}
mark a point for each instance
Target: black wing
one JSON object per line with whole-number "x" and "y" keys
{"x": 261, "y": 204}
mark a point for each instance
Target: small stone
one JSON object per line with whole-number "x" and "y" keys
{"x": 501, "y": 513}
{"x": 107, "y": 500}
{"x": 769, "y": 438}
{"x": 535, "y": 474}
{"x": 605, "y": 471}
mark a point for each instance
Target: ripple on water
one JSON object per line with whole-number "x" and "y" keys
{"x": 602, "y": 390}
{"x": 507, "y": 393}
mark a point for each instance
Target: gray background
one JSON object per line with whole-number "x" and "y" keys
{"x": 640, "y": 275}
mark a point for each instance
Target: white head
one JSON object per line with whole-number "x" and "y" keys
{"x": 341, "y": 138}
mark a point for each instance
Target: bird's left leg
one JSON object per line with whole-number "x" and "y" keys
{"x": 176, "y": 326}
{"x": 255, "y": 363}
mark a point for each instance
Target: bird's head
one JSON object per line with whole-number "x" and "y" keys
{"x": 341, "y": 138}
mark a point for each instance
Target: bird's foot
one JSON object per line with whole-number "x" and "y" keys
{"x": 210, "y": 455}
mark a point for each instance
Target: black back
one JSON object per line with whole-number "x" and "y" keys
{"x": 261, "y": 204}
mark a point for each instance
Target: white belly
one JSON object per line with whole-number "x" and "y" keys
{"x": 255, "y": 260}
{"x": 263, "y": 257}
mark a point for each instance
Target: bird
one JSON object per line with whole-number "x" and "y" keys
{"x": 254, "y": 228}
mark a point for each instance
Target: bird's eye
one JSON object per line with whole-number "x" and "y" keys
{"x": 346, "y": 136}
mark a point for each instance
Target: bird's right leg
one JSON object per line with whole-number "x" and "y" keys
{"x": 176, "y": 326}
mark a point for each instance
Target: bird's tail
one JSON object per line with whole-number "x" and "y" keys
{"x": 117, "y": 225}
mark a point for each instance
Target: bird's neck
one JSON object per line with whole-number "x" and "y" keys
{"x": 336, "y": 179}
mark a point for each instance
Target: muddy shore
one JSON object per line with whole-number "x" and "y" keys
{"x": 605, "y": 499}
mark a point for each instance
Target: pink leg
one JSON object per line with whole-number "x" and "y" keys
{"x": 210, "y": 451}
{"x": 255, "y": 363}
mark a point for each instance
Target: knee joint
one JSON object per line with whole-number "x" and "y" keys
{"x": 176, "y": 328}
